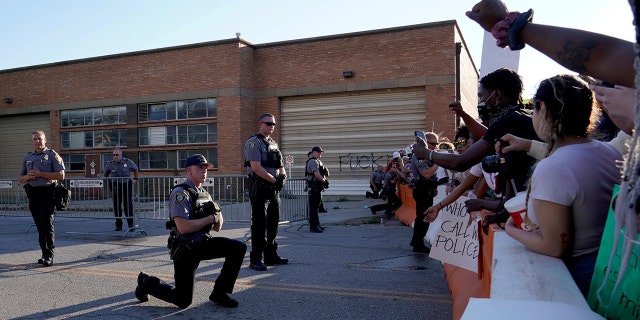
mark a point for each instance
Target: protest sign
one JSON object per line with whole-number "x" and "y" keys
{"x": 624, "y": 302}
{"x": 456, "y": 240}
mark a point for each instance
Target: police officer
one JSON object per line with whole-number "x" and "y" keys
{"x": 119, "y": 170}
{"x": 194, "y": 214}
{"x": 375, "y": 183}
{"x": 40, "y": 171}
{"x": 316, "y": 175}
{"x": 425, "y": 187}
{"x": 267, "y": 176}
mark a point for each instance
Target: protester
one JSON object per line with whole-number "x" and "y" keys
{"x": 500, "y": 108}
{"x": 569, "y": 206}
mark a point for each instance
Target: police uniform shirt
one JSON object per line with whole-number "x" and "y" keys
{"x": 120, "y": 169}
{"x": 418, "y": 165}
{"x": 390, "y": 181}
{"x": 377, "y": 177}
{"x": 313, "y": 165}
{"x": 256, "y": 150}
{"x": 180, "y": 206}
{"x": 46, "y": 161}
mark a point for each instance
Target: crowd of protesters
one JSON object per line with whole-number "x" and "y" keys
{"x": 539, "y": 147}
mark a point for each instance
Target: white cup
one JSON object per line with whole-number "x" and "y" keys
{"x": 517, "y": 207}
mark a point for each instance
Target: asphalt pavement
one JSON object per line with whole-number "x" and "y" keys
{"x": 359, "y": 268}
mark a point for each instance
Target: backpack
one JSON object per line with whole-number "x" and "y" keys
{"x": 62, "y": 196}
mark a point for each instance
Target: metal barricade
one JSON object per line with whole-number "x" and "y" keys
{"x": 93, "y": 198}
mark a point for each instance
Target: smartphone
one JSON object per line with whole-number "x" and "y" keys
{"x": 420, "y": 134}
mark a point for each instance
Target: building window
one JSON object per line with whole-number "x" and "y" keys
{"x": 173, "y": 160}
{"x": 171, "y": 135}
{"x": 178, "y": 110}
{"x": 93, "y": 139}
{"x": 93, "y": 116}
{"x": 154, "y": 159}
{"x": 73, "y": 162}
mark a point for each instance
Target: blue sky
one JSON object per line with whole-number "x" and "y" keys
{"x": 44, "y": 31}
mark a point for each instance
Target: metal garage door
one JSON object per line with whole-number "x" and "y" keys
{"x": 15, "y": 140}
{"x": 357, "y": 130}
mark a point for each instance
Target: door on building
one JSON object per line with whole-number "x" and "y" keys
{"x": 92, "y": 166}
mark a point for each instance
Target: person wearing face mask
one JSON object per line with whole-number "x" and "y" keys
{"x": 501, "y": 112}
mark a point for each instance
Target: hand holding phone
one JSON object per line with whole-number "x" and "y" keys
{"x": 420, "y": 134}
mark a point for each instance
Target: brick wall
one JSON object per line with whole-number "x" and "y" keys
{"x": 247, "y": 79}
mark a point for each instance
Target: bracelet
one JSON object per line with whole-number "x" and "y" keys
{"x": 501, "y": 28}
{"x": 440, "y": 204}
{"x": 506, "y": 30}
{"x": 513, "y": 40}
{"x": 430, "y": 155}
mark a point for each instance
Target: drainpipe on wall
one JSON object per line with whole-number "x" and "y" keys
{"x": 458, "y": 50}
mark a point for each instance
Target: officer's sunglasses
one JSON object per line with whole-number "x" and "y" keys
{"x": 270, "y": 124}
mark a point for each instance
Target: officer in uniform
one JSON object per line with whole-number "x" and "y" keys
{"x": 193, "y": 214}
{"x": 119, "y": 170}
{"x": 267, "y": 176}
{"x": 375, "y": 183}
{"x": 40, "y": 171}
{"x": 316, "y": 175}
{"x": 425, "y": 187}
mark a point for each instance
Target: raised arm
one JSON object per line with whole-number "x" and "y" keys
{"x": 597, "y": 55}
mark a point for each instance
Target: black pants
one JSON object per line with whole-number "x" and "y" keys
{"x": 424, "y": 200}
{"x": 315, "y": 198}
{"x": 393, "y": 203}
{"x": 41, "y": 205}
{"x": 123, "y": 198}
{"x": 375, "y": 190}
{"x": 265, "y": 215}
{"x": 185, "y": 266}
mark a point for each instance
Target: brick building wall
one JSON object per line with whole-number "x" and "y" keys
{"x": 247, "y": 79}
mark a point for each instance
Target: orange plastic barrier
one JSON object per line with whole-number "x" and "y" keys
{"x": 465, "y": 284}
{"x": 407, "y": 212}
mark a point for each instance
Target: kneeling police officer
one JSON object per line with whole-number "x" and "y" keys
{"x": 193, "y": 214}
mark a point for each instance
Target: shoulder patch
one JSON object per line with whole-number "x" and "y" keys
{"x": 58, "y": 159}
{"x": 252, "y": 145}
{"x": 180, "y": 196}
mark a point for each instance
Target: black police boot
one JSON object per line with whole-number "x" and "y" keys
{"x": 256, "y": 262}
{"x": 223, "y": 299}
{"x": 141, "y": 289}
{"x": 273, "y": 259}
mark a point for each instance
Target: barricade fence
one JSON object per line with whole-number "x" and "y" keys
{"x": 94, "y": 198}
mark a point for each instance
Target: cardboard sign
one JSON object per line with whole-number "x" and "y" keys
{"x": 456, "y": 241}
{"x": 624, "y": 303}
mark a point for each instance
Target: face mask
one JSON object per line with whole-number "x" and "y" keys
{"x": 488, "y": 112}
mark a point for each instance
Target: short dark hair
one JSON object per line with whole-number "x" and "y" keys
{"x": 265, "y": 115}
{"x": 507, "y": 81}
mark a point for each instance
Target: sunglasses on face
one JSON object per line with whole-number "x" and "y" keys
{"x": 116, "y": 155}
{"x": 433, "y": 143}
{"x": 460, "y": 143}
{"x": 270, "y": 124}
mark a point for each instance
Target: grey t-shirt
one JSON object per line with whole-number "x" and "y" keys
{"x": 585, "y": 186}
